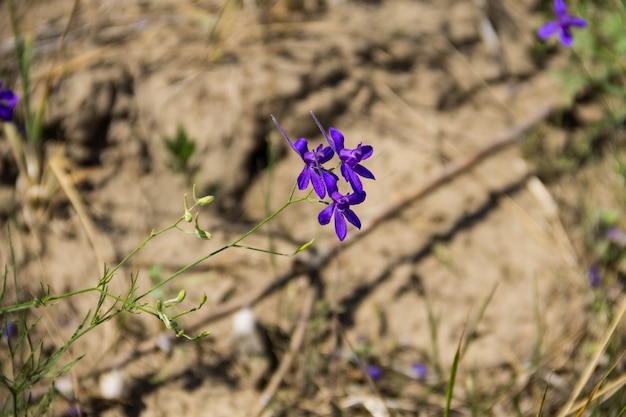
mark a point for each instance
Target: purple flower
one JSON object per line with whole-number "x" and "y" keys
{"x": 324, "y": 181}
{"x": 8, "y": 101}
{"x": 73, "y": 411}
{"x": 419, "y": 370}
{"x": 375, "y": 372}
{"x": 351, "y": 168}
{"x": 562, "y": 25}
{"x": 616, "y": 236}
{"x": 340, "y": 209}
{"x": 312, "y": 172}
{"x": 9, "y": 330}
{"x": 594, "y": 276}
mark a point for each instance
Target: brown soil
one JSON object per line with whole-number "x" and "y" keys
{"x": 484, "y": 252}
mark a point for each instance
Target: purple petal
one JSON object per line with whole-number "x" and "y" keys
{"x": 304, "y": 178}
{"x": 318, "y": 184}
{"x": 366, "y": 151}
{"x": 337, "y": 140}
{"x": 325, "y": 215}
{"x": 336, "y": 196}
{"x": 345, "y": 171}
{"x": 578, "y": 22}
{"x": 331, "y": 181}
{"x": 325, "y": 155}
{"x": 341, "y": 228}
{"x": 9, "y": 330}
{"x": 7, "y": 95}
{"x": 352, "y": 218}
{"x": 548, "y": 30}
{"x": 72, "y": 412}
{"x": 560, "y": 8}
{"x": 356, "y": 198}
{"x": 8, "y": 101}
{"x": 282, "y": 132}
{"x": 566, "y": 38}
{"x": 319, "y": 125}
{"x": 351, "y": 177}
{"x": 419, "y": 370}
{"x": 364, "y": 172}
{"x": 594, "y": 276}
{"x": 6, "y": 113}
{"x": 301, "y": 146}
{"x": 374, "y": 372}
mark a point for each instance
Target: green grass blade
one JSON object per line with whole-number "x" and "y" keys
{"x": 455, "y": 366}
{"x": 543, "y": 400}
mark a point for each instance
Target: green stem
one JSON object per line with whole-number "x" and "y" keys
{"x": 186, "y": 268}
{"x": 37, "y": 302}
{"x": 133, "y": 303}
{"x": 139, "y": 247}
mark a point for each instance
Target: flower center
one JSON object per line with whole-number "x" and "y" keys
{"x": 343, "y": 203}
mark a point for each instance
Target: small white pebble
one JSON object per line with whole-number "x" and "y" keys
{"x": 112, "y": 385}
{"x": 65, "y": 387}
{"x": 164, "y": 342}
{"x": 244, "y": 322}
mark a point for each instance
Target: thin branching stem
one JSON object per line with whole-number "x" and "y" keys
{"x": 235, "y": 243}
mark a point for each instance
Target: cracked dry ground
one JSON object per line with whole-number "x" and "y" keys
{"x": 411, "y": 78}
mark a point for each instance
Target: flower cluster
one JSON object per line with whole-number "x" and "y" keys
{"x": 8, "y": 101}
{"x": 325, "y": 181}
{"x": 562, "y": 25}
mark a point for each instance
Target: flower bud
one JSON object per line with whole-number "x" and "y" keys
{"x": 202, "y": 234}
{"x": 187, "y": 215}
{"x": 201, "y": 201}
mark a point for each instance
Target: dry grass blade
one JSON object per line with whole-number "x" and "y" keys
{"x": 543, "y": 400}
{"x": 597, "y": 392}
{"x": 17, "y": 148}
{"x": 50, "y": 76}
{"x": 551, "y": 212}
{"x": 568, "y": 408}
{"x": 294, "y": 347}
{"x": 102, "y": 247}
{"x": 375, "y": 405}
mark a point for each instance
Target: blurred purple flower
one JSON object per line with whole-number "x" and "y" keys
{"x": 9, "y": 330}
{"x": 351, "y": 168}
{"x": 562, "y": 25}
{"x": 73, "y": 411}
{"x": 312, "y": 172}
{"x": 419, "y": 370}
{"x": 594, "y": 276}
{"x": 8, "y": 101}
{"x": 616, "y": 236}
{"x": 340, "y": 208}
{"x": 375, "y": 372}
